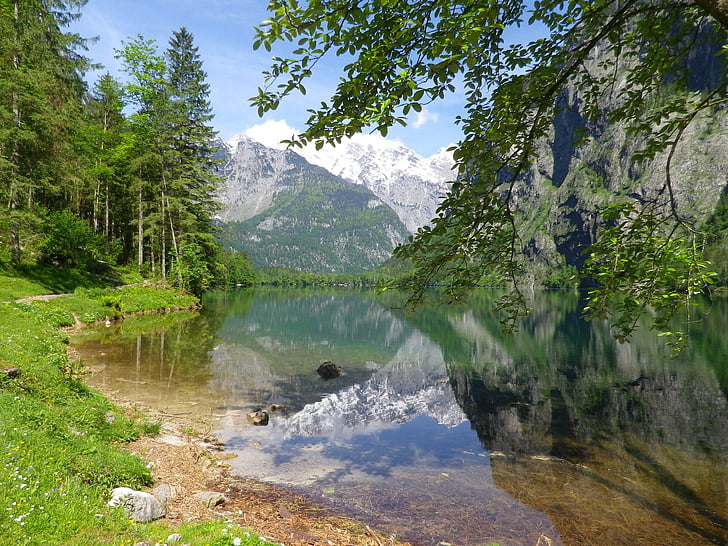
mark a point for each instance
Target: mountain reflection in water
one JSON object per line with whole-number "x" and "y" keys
{"x": 442, "y": 429}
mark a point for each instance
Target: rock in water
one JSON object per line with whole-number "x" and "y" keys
{"x": 259, "y": 418}
{"x": 329, "y": 370}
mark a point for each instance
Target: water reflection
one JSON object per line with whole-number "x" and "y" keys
{"x": 442, "y": 429}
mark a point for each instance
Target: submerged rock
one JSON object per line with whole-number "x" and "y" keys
{"x": 259, "y": 418}
{"x": 329, "y": 370}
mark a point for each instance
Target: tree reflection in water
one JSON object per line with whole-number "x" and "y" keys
{"x": 446, "y": 430}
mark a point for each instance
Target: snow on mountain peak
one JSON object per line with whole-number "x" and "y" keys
{"x": 409, "y": 183}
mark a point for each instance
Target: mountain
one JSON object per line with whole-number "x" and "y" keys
{"x": 285, "y": 212}
{"x": 583, "y": 165}
{"x": 409, "y": 183}
{"x": 412, "y": 185}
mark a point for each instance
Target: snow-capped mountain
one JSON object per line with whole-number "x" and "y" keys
{"x": 409, "y": 183}
{"x": 286, "y": 212}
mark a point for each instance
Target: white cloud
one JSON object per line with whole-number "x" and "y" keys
{"x": 271, "y": 133}
{"x": 423, "y": 117}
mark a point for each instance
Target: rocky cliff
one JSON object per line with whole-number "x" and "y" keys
{"x": 583, "y": 165}
{"x": 285, "y": 212}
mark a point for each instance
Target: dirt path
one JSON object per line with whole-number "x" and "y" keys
{"x": 41, "y": 297}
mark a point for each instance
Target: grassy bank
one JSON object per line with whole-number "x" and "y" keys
{"x": 59, "y": 454}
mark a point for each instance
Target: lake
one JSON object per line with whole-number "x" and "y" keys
{"x": 442, "y": 429}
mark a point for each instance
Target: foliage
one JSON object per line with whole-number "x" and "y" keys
{"x": 715, "y": 232}
{"x": 237, "y": 269}
{"x": 405, "y": 55}
{"x": 41, "y": 93}
{"x": 69, "y": 239}
{"x": 137, "y": 184}
{"x": 648, "y": 271}
{"x": 281, "y": 276}
{"x": 190, "y": 271}
{"x": 174, "y": 194}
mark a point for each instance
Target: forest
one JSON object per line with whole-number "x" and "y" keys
{"x": 108, "y": 173}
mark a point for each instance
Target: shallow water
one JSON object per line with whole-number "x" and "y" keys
{"x": 442, "y": 429}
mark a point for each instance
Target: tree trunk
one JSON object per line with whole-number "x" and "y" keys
{"x": 140, "y": 232}
{"x": 15, "y": 242}
{"x": 15, "y": 152}
{"x": 174, "y": 243}
{"x": 106, "y": 212}
{"x": 97, "y": 195}
{"x": 163, "y": 258}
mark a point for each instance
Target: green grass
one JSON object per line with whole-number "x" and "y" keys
{"x": 32, "y": 279}
{"x": 12, "y": 288}
{"x": 59, "y": 454}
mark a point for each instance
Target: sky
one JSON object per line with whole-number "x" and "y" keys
{"x": 223, "y": 32}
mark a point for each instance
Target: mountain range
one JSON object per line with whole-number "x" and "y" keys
{"x": 345, "y": 208}
{"x": 339, "y": 209}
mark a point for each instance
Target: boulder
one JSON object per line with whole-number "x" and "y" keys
{"x": 164, "y": 493}
{"x": 329, "y": 370}
{"x": 140, "y": 507}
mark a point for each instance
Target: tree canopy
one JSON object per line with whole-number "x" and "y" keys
{"x": 122, "y": 173}
{"x": 404, "y": 54}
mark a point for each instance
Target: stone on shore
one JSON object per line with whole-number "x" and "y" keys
{"x": 140, "y": 507}
{"x": 210, "y": 498}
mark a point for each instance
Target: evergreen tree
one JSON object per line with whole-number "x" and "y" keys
{"x": 192, "y": 182}
{"x": 174, "y": 166}
{"x": 41, "y": 93}
{"x": 194, "y": 138}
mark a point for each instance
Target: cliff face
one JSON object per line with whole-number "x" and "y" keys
{"x": 285, "y": 212}
{"x": 583, "y": 165}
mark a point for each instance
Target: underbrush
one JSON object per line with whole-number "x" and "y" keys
{"x": 59, "y": 454}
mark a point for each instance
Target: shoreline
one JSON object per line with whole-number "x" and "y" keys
{"x": 188, "y": 457}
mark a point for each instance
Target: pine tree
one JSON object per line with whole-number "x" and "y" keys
{"x": 41, "y": 93}
{"x": 174, "y": 167}
{"x": 195, "y": 181}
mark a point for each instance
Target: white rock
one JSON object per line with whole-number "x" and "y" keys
{"x": 140, "y": 507}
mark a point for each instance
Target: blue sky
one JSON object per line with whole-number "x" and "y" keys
{"x": 223, "y": 31}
